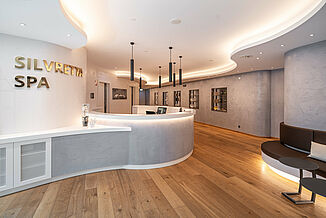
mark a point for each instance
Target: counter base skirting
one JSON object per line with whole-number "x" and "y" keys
{"x": 129, "y": 167}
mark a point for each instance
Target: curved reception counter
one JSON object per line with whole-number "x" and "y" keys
{"x": 155, "y": 140}
{"x": 116, "y": 141}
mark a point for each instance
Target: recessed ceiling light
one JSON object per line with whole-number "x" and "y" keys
{"x": 68, "y": 35}
{"x": 257, "y": 58}
{"x": 282, "y": 45}
{"x": 22, "y": 24}
{"x": 261, "y": 52}
{"x": 239, "y": 77}
{"x": 312, "y": 35}
{"x": 175, "y": 21}
{"x": 272, "y": 67}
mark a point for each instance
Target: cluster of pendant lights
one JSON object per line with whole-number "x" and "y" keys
{"x": 172, "y": 75}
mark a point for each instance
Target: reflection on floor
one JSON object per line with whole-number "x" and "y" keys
{"x": 225, "y": 177}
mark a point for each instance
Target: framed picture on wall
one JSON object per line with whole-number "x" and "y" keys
{"x": 118, "y": 94}
{"x": 177, "y": 98}
{"x": 219, "y": 99}
{"x": 165, "y": 98}
{"x": 155, "y": 98}
{"x": 194, "y": 99}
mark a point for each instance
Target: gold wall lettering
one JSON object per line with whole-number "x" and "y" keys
{"x": 48, "y": 67}
{"x": 29, "y": 63}
{"x": 30, "y": 80}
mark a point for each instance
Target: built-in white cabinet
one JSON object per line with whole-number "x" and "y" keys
{"x": 32, "y": 161}
{"x": 6, "y": 166}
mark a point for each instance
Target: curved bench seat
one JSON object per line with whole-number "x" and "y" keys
{"x": 276, "y": 150}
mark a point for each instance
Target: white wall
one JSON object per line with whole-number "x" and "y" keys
{"x": 27, "y": 109}
{"x": 120, "y": 106}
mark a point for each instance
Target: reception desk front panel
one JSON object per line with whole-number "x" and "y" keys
{"x": 155, "y": 139}
{"x": 135, "y": 141}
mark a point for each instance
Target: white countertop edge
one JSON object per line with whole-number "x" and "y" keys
{"x": 65, "y": 131}
{"x": 141, "y": 116}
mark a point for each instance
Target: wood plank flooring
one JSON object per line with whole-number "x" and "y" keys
{"x": 225, "y": 177}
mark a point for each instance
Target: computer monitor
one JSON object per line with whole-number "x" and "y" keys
{"x": 150, "y": 112}
{"x": 161, "y": 110}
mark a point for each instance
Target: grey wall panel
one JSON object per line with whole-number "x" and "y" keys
{"x": 305, "y": 87}
{"x": 157, "y": 141}
{"x": 277, "y": 101}
{"x": 71, "y": 154}
{"x": 249, "y": 102}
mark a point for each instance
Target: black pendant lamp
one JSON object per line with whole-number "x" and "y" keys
{"x": 180, "y": 72}
{"x": 159, "y": 77}
{"x": 132, "y": 63}
{"x": 174, "y": 74}
{"x": 170, "y": 67}
{"x": 140, "y": 87}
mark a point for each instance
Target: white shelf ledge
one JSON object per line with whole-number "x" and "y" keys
{"x": 72, "y": 130}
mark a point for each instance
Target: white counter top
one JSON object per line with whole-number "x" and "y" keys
{"x": 70, "y": 130}
{"x": 140, "y": 116}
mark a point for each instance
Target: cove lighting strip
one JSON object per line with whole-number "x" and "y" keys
{"x": 284, "y": 174}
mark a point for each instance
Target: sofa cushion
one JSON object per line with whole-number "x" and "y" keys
{"x": 296, "y": 137}
{"x": 318, "y": 151}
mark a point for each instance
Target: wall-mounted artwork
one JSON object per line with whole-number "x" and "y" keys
{"x": 194, "y": 99}
{"x": 219, "y": 99}
{"x": 177, "y": 98}
{"x": 118, "y": 94}
{"x": 165, "y": 99}
{"x": 155, "y": 98}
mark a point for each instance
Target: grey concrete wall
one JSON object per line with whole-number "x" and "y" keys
{"x": 249, "y": 102}
{"x": 155, "y": 141}
{"x": 277, "y": 101}
{"x": 305, "y": 86}
{"x": 76, "y": 153}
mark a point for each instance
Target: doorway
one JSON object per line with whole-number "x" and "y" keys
{"x": 103, "y": 97}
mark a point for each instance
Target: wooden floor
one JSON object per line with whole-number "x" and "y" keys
{"x": 225, "y": 177}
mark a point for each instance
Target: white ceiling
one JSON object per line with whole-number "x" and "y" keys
{"x": 210, "y": 32}
{"x": 272, "y": 57}
{"x": 44, "y": 20}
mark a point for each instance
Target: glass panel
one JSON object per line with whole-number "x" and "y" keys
{"x": 177, "y": 98}
{"x": 31, "y": 148}
{"x": 165, "y": 98}
{"x": 194, "y": 99}
{"x": 3, "y": 166}
{"x": 155, "y": 98}
{"x": 219, "y": 99}
{"x": 32, "y": 160}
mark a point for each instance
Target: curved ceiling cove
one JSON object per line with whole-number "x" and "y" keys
{"x": 41, "y": 20}
{"x": 206, "y": 35}
{"x": 270, "y": 55}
